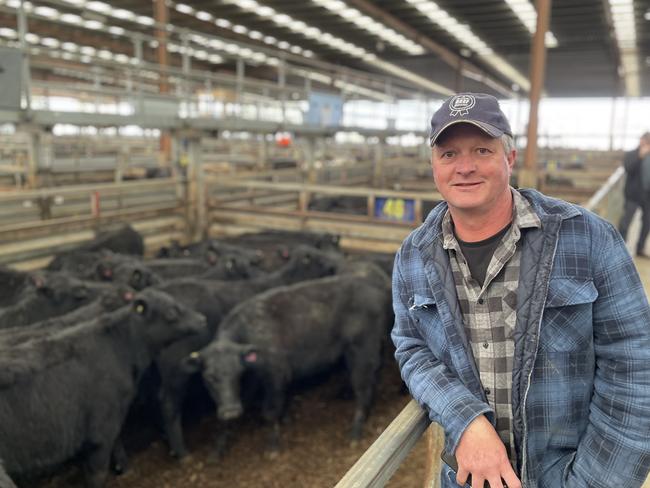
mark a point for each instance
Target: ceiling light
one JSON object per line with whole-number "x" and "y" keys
{"x": 203, "y": 15}
{"x": 120, "y": 13}
{"x": 223, "y": 23}
{"x": 92, "y": 24}
{"x": 240, "y": 29}
{"x": 100, "y": 7}
{"x": 116, "y": 30}
{"x": 270, "y": 40}
{"x": 50, "y": 42}
{"x": 6, "y": 32}
{"x": 144, "y": 20}
{"x": 71, "y": 18}
{"x": 257, "y": 35}
{"x": 184, "y": 9}
{"x": 265, "y": 11}
{"x": 46, "y": 12}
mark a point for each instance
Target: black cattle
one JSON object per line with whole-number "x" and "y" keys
{"x": 260, "y": 240}
{"x": 12, "y": 284}
{"x": 210, "y": 250}
{"x": 123, "y": 240}
{"x": 214, "y": 299}
{"x": 53, "y": 294}
{"x": 108, "y": 300}
{"x": 177, "y": 267}
{"x": 135, "y": 274}
{"x": 94, "y": 265}
{"x": 66, "y": 394}
{"x": 294, "y": 332}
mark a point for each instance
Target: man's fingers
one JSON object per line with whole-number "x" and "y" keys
{"x": 477, "y": 481}
{"x": 461, "y": 476}
{"x": 495, "y": 482}
{"x": 510, "y": 479}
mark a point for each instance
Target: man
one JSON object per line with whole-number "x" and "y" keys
{"x": 636, "y": 195}
{"x": 521, "y": 325}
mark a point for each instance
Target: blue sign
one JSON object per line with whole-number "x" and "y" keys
{"x": 397, "y": 209}
{"x": 325, "y": 109}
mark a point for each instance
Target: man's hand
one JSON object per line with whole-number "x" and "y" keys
{"x": 481, "y": 453}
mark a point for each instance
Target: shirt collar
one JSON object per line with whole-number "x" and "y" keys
{"x": 524, "y": 217}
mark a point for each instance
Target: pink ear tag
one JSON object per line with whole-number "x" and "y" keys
{"x": 251, "y": 357}
{"x": 128, "y": 296}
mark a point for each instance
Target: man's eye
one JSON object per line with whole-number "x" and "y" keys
{"x": 484, "y": 150}
{"x": 448, "y": 154}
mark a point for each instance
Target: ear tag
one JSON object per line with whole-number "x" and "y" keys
{"x": 251, "y": 357}
{"x": 128, "y": 296}
{"x": 139, "y": 309}
{"x": 194, "y": 355}
{"x": 285, "y": 253}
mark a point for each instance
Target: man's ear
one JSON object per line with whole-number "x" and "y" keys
{"x": 512, "y": 158}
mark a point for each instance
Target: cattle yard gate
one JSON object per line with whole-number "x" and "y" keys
{"x": 371, "y": 206}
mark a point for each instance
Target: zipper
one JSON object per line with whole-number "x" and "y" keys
{"x": 539, "y": 328}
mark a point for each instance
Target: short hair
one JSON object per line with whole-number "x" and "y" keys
{"x": 646, "y": 137}
{"x": 508, "y": 143}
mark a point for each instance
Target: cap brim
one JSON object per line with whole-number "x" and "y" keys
{"x": 487, "y": 128}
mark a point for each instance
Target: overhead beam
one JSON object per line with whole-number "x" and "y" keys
{"x": 460, "y": 64}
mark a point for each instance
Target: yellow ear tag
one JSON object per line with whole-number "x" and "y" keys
{"x": 194, "y": 355}
{"x": 139, "y": 309}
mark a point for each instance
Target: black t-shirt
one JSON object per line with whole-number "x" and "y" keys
{"x": 479, "y": 254}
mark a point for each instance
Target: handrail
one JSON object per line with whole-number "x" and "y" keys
{"x": 604, "y": 190}
{"x": 384, "y": 456}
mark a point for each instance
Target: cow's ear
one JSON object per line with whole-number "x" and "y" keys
{"x": 140, "y": 307}
{"x": 192, "y": 363}
{"x": 250, "y": 356}
{"x": 38, "y": 281}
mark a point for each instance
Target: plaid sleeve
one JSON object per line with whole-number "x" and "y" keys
{"x": 615, "y": 448}
{"x": 431, "y": 383}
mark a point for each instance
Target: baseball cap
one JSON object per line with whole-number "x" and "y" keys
{"x": 479, "y": 109}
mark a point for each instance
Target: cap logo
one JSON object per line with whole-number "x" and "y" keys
{"x": 461, "y": 105}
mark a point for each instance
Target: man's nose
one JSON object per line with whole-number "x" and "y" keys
{"x": 465, "y": 164}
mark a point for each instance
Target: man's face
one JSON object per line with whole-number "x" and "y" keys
{"x": 471, "y": 169}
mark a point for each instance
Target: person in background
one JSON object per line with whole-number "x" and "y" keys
{"x": 521, "y": 325}
{"x": 636, "y": 195}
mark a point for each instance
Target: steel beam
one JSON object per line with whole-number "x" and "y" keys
{"x": 528, "y": 175}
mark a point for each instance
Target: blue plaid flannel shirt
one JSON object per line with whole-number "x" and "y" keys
{"x": 581, "y": 371}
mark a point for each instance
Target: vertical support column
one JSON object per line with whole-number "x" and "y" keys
{"x": 528, "y": 176}
{"x": 186, "y": 70}
{"x": 282, "y": 83}
{"x": 161, "y": 15}
{"x": 458, "y": 82}
{"x": 310, "y": 158}
{"x": 378, "y": 163}
{"x": 27, "y": 75}
{"x": 196, "y": 191}
{"x": 137, "y": 51}
{"x": 33, "y": 156}
{"x": 612, "y": 124}
{"x": 239, "y": 86}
